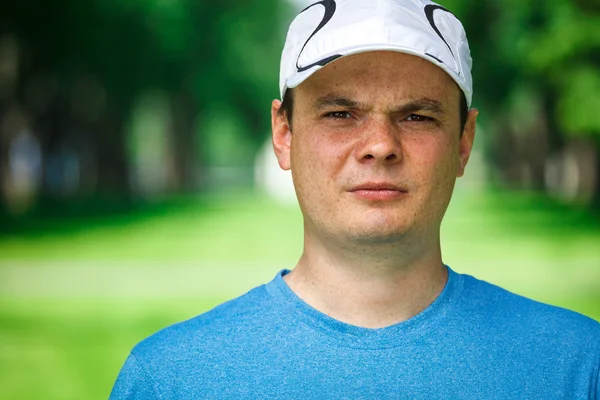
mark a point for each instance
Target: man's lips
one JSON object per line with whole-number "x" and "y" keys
{"x": 378, "y": 191}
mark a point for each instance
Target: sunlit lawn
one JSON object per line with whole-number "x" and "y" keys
{"x": 76, "y": 296}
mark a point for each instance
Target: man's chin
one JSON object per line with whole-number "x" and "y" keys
{"x": 377, "y": 235}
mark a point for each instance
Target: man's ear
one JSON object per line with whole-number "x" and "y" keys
{"x": 281, "y": 135}
{"x": 466, "y": 141}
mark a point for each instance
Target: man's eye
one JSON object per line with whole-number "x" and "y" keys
{"x": 418, "y": 118}
{"x": 338, "y": 115}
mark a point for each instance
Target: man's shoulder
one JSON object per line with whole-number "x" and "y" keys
{"x": 498, "y": 306}
{"x": 227, "y": 321}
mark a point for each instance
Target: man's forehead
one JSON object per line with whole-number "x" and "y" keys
{"x": 381, "y": 76}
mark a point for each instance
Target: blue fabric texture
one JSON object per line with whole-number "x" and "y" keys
{"x": 475, "y": 341}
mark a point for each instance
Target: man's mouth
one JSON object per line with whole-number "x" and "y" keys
{"x": 378, "y": 191}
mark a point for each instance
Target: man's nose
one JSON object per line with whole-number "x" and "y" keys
{"x": 381, "y": 144}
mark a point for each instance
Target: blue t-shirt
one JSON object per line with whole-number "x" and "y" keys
{"x": 475, "y": 341}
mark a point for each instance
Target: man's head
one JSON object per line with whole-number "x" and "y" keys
{"x": 381, "y": 130}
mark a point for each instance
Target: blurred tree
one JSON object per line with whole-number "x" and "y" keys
{"x": 537, "y": 75}
{"x": 81, "y": 66}
{"x": 72, "y": 74}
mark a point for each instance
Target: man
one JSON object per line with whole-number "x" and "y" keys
{"x": 375, "y": 128}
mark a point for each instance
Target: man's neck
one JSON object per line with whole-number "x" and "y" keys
{"x": 368, "y": 288}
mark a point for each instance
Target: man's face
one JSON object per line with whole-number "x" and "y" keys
{"x": 375, "y": 147}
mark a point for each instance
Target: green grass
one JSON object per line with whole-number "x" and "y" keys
{"x": 206, "y": 228}
{"x": 77, "y": 294}
{"x": 73, "y": 350}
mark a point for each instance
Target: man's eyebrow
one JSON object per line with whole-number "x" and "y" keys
{"x": 337, "y": 101}
{"x": 424, "y": 104}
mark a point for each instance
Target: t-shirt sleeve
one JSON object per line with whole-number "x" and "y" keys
{"x": 133, "y": 382}
{"x": 597, "y": 394}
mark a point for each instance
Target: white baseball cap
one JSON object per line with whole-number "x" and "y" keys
{"x": 330, "y": 29}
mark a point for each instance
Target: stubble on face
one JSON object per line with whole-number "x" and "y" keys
{"x": 371, "y": 119}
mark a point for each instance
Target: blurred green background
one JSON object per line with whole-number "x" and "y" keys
{"x": 137, "y": 189}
